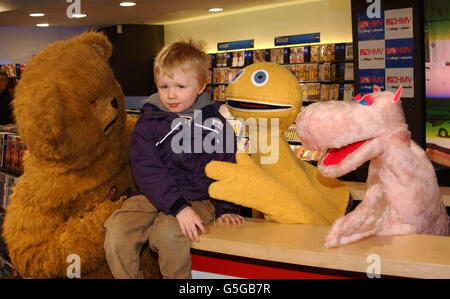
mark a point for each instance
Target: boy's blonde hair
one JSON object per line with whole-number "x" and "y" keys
{"x": 189, "y": 56}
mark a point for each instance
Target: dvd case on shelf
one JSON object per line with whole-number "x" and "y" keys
{"x": 277, "y": 55}
{"x": 296, "y": 55}
{"x": 248, "y": 57}
{"x": 11, "y": 182}
{"x": 349, "y": 51}
{"x": 339, "y": 51}
{"x": 220, "y": 76}
{"x": 349, "y": 71}
{"x": 349, "y": 92}
{"x": 11, "y": 152}
{"x": 324, "y": 71}
{"x": 259, "y": 56}
{"x": 334, "y": 92}
{"x": 219, "y": 93}
{"x": 237, "y": 59}
{"x": 307, "y": 72}
{"x": 314, "y": 52}
{"x": 326, "y": 53}
{"x": 310, "y": 92}
{"x": 222, "y": 59}
{"x": 211, "y": 60}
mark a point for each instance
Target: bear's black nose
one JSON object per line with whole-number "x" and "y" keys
{"x": 114, "y": 103}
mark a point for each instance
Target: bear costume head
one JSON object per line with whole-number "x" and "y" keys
{"x": 68, "y": 102}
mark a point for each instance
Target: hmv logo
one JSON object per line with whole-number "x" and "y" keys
{"x": 374, "y": 51}
{"x": 372, "y": 80}
{"x": 399, "y": 79}
{"x": 371, "y": 23}
{"x": 398, "y": 21}
{"x": 398, "y": 50}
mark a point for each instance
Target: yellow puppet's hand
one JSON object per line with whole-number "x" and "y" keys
{"x": 235, "y": 180}
{"x": 246, "y": 183}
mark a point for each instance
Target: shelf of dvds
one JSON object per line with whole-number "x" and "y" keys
{"x": 11, "y": 161}
{"x": 13, "y": 70}
{"x": 325, "y": 72}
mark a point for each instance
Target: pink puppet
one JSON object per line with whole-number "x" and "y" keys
{"x": 402, "y": 192}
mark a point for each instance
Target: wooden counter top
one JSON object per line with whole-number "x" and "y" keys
{"x": 420, "y": 256}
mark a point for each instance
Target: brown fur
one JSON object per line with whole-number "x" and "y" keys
{"x": 59, "y": 204}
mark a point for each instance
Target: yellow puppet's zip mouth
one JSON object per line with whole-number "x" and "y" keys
{"x": 244, "y": 105}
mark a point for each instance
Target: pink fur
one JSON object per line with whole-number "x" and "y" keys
{"x": 402, "y": 192}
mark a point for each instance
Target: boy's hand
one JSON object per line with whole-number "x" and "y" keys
{"x": 234, "y": 219}
{"x": 189, "y": 221}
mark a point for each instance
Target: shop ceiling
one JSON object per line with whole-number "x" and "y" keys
{"x": 108, "y": 12}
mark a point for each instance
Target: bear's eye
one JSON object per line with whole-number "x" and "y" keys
{"x": 94, "y": 103}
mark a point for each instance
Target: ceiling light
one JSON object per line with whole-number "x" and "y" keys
{"x": 127, "y": 4}
{"x": 37, "y": 14}
{"x": 79, "y": 15}
{"x": 43, "y": 25}
{"x": 217, "y": 9}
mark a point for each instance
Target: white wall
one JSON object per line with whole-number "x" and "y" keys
{"x": 332, "y": 18}
{"x": 18, "y": 44}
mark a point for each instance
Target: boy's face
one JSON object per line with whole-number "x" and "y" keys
{"x": 179, "y": 93}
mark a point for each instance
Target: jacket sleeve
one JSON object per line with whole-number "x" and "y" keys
{"x": 151, "y": 175}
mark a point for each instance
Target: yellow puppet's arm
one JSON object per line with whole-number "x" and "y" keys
{"x": 246, "y": 184}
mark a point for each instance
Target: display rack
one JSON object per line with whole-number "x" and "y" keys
{"x": 325, "y": 72}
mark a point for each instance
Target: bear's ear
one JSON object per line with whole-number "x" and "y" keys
{"x": 98, "y": 41}
{"x": 40, "y": 119}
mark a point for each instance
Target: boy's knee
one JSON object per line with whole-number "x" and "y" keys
{"x": 116, "y": 235}
{"x": 166, "y": 233}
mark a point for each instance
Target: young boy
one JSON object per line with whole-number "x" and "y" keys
{"x": 174, "y": 186}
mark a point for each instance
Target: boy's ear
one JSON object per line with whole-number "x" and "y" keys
{"x": 202, "y": 89}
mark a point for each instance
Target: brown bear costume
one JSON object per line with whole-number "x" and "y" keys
{"x": 70, "y": 113}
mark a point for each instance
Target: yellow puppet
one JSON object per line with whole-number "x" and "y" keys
{"x": 267, "y": 98}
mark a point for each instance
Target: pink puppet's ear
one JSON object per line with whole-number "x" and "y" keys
{"x": 357, "y": 98}
{"x": 376, "y": 88}
{"x": 398, "y": 93}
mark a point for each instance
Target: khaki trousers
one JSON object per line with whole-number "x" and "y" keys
{"x": 137, "y": 222}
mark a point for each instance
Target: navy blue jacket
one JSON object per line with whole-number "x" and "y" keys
{"x": 170, "y": 180}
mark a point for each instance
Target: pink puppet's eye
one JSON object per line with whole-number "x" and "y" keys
{"x": 366, "y": 100}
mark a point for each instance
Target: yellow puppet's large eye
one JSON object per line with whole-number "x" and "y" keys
{"x": 260, "y": 78}
{"x": 237, "y": 76}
